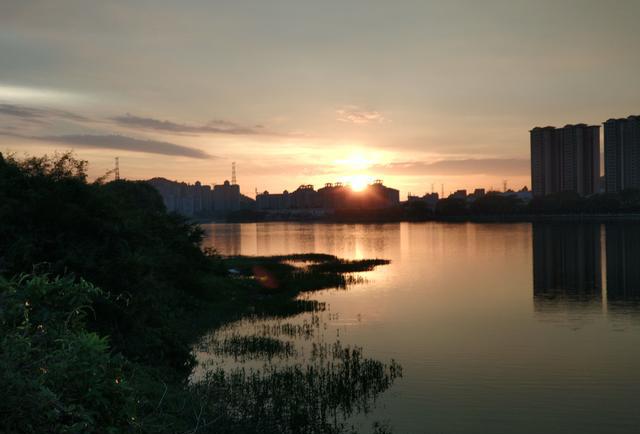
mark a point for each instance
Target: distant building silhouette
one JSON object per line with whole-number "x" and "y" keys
{"x": 429, "y": 199}
{"x": 622, "y": 154}
{"x": 477, "y": 194}
{"x": 458, "y": 194}
{"x": 266, "y": 201}
{"x": 623, "y": 256}
{"x": 330, "y": 197}
{"x": 377, "y": 196}
{"x": 545, "y": 160}
{"x": 565, "y": 159}
{"x": 334, "y": 196}
{"x": 199, "y": 200}
{"x": 566, "y": 261}
{"x": 226, "y": 197}
{"x": 304, "y": 197}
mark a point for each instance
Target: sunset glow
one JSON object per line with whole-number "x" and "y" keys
{"x": 302, "y": 105}
{"x": 359, "y": 182}
{"x": 355, "y": 161}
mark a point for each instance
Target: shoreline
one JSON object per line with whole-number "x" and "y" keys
{"x": 517, "y": 218}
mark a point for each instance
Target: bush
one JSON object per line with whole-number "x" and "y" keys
{"x": 55, "y": 376}
{"x": 117, "y": 236}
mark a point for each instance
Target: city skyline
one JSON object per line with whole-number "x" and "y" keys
{"x": 416, "y": 94}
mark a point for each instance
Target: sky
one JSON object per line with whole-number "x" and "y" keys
{"x": 420, "y": 94}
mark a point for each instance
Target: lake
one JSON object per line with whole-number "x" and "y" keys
{"x": 499, "y": 328}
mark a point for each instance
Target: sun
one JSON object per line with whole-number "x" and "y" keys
{"x": 359, "y": 182}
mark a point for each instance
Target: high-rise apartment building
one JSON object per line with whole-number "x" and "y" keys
{"x": 565, "y": 159}
{"x": 622, "y": 154}
{"x": 545, "y": 160}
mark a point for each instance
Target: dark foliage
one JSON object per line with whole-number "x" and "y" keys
{"x": 118, "y": 236}
{"x": 78, "y": 359}
{"x": 496, "y": 204}
{"x": 55, "y": 376}
{"x": 451, "y": 207}
{"x": 627, "y": 201}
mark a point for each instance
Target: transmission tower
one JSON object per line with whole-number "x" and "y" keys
{"x": 504, "y": 185}
{"x": 116, "y": 170}
{"x": 233, "y": 174}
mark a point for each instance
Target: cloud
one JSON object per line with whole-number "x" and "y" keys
{"x": 39, "y": 115}
{"x": 43, "y": 115}
{"x": 355, "y": 115}
{"x": 480, "y": 166}
{"x": 124, "y": 143}
{"x": 213, "y": 127}
{"x": 36, "y": 94}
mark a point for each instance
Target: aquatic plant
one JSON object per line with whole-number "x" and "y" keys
{"x": 317, "y": 397}
{"x": 305, "y": 330}
{"x": 250, "y": 347}
{"x": 301, "y": 272}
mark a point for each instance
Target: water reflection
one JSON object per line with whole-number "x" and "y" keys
{"x": 623, "y": 275}
{"x": 228, "y": 238}
{"x": 353, "y": 241}
{"x": 569, "y": 263}
{"x": 623, "y": 262}
{"x": 496, "y": 325}
{"x": 566, "y": 263}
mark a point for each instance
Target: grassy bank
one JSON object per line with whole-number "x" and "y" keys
{"x": 103, "y": 296}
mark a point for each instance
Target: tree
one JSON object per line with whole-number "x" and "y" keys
{"x": 496, "y": 203}
{"x": 451, "y": 207}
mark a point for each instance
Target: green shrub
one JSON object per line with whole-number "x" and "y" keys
{"x": 55, "y": 376}
{"x": 116, "y": 235}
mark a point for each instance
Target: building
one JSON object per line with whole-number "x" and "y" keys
{"x": 565, "y": 159}
{"x": 458, "y": 194}
{"x": 304, "y": 197}
{"x": 429, "y": 199}
{"x": 377, "y": 196}
{"x": 523, "y": 194}
{"x": 226, "y": 197}
{"x": 477, "y": 194}
{"x": 580, "y": 159}
{"x": 180, "y": 197}
{"x": 622, "y": 154}
{"x": 330, "y": 197}
{"x": 199, "y": 200}
{"x": 545, "y": 160}
{"x": 267, "y": 201}
{"x": 334, "y": 196}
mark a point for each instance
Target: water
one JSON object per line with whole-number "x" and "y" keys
{"x": 500, "y": 328}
